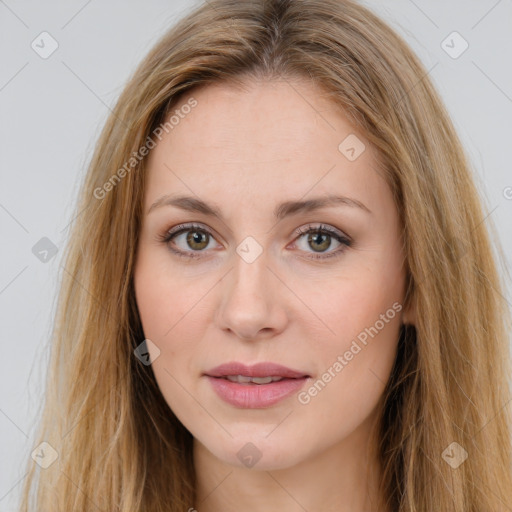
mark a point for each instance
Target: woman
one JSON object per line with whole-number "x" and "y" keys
{"x": 280, "y": 293}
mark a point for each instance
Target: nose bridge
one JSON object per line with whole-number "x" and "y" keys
{"x": 249, "y": 304}
{"x": 249, "y": 275}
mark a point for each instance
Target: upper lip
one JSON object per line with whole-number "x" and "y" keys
{"x": 256, "y": 370}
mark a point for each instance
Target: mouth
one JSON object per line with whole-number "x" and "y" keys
{"x": 255, "y": 387}
{"x": 259, "y": 373}
{"x": 244, "y": 379}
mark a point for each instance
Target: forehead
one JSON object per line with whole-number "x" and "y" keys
{"x": 270, "y": 137}
{"x": 279, "y": 119}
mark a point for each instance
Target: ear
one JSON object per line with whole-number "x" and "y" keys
{"x": 409, "y": 314}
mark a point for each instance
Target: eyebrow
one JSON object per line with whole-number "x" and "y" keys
{"x": 288, "y": 208}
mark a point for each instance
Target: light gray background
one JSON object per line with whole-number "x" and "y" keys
{"x": 51, "y": 112}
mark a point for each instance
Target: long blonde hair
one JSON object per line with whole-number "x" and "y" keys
{"x": 119, "y": 446}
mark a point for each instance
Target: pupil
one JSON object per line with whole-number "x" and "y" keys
{"x": 195, "y": 239}
{"x": 316, "y": 238}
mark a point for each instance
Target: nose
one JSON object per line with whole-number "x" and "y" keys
{"x": 252, "y": 300}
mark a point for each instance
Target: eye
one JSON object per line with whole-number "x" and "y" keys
{"x": 194, "y": 239}
{"x": 320, "y": 238}
{"x": 197, "y": 238}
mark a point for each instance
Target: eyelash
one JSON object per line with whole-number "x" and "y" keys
{"x": 167, "y": 237}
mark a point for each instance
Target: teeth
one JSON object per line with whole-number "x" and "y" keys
{"x": 261, "y": 380}
{"x": 242, "y": 379}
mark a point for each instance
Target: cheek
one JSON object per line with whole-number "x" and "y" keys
{"x": 154, "y": 305}
{"x": 163, "y": 298}
{"x": 363, "y": 318}
{"x": 174, "y": 313}
{"x": 163, "y": 314}
{"x": 353, "y": 372}
{"x": 348, "y": 305}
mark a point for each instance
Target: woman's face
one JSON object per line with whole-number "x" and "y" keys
{"x": 245, "y": 286}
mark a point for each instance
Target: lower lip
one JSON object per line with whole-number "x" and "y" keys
{"x": 255, "y": 396}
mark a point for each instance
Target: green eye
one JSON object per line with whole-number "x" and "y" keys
{"x": 322, "y": 236}
{"x": 198, "y": 238}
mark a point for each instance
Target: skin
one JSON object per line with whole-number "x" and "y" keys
{"x": 247, "y": 151}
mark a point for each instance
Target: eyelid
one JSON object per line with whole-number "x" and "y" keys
{"x": 188, "y": 226}
{"x": 344, "y": 240}
{"x": 322, "y": 227}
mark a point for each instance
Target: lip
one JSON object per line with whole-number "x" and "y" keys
{"x": 255, "y": 396}
{"x": 256, "y": 370}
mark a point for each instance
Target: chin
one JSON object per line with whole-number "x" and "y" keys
{"x": 257, "y": 453}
